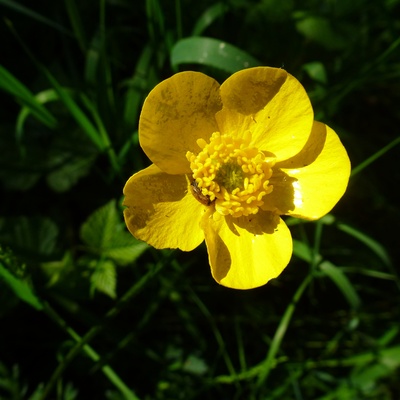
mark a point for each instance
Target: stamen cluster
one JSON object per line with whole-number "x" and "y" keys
{"x": 231, "y": 173}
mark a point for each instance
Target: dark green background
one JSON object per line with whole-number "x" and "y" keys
{"x": 156, "y": 319}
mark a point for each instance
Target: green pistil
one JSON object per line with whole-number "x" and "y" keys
{"x": 230, "y": 176}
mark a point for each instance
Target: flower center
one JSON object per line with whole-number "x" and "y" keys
{"x": 230, "y": 173}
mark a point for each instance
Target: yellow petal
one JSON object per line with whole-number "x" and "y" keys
{"x": 176, "y": 113}
{"x": 247, "y": 252}
{"x": 310, "y": 184}
{"x": 272, "y": 104}
{"x": 161, "y": 211}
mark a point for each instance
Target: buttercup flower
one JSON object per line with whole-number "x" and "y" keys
{"x": 228, "y": 161}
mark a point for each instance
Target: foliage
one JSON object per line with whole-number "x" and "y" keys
{"x": 89, "y": 312}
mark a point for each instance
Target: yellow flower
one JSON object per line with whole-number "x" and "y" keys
{"x": 228, "y": 160}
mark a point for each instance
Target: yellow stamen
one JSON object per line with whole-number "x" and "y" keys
{"x": 231, "y": 174}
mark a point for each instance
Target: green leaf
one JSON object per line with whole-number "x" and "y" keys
{"x": 105, "y": 234}
{"x": 124, "y": 248}
{"x": 33, "y": 236}
{"x": 316, "y": 71}
{"x": 342, "y": 282}
{"x": 212, "y": 53}
{"x": 57, "y": 270}
{"x": 100, "y": 227}
{"x": 69, "y": 173}
{"x": 104, "y": 278}
{"x": 319, "y": 30}
{"x": 369, "y": 368}
{"x": 19, "y": 286}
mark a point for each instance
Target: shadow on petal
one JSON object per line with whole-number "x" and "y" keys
{"x": 264, "y": 222}
{"x": 218, "y": 252}
{"x": 239, "y": 232}
{"x": 161, "y": 211}
{"x": 247, "y": 252}
{"x": 282, "y": 199}
{"x": 311, "y": 150}
{"x": 248, "y": 91}
{"x": 145, "y": 190}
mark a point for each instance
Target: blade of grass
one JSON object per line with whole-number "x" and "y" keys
{"x": 208, "y": 17}
{"x": 20, "y": 288}
{"x": 113, "y": 377}
{"x": 76, "y": 112}
{"x": 317, "y": 243}
{"x": 105, "y": 139}
{"x": 82, "y": 342}
{"x": 372, "y": 244}
{"x": 34, "y": 15}
{"x": 136, "y": 87}
{"x": 16, "y": 88}
{"x": 217, "y": 333}
{"x": 42, "y": 97}
{"x": 374, "y": 157}
{"x": 262, "y": 370}
{"x": 342, "y": 282}
{"x": 76, "y": 23}
{"x": 269, "y": 361}
{"x": 98, "y": 137}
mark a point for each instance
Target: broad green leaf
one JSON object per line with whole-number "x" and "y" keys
{"x": 342, "y": 282}
{"x": 106, "y": 235}
{"x": 212, "y": 53}
{"x": 104, "y": 278}
{"x": 124, "y": 248}
{"x": 56, "y": 270}
{"x": 101, "y": 225}
{"x": 69, "y": 173}
{"x": 368, "y": 369}
{"x": 316, "y": 71}
{"x": 319, "y": 30}
{"x": 33, "y": 236}
{"x": 195, "y": 365}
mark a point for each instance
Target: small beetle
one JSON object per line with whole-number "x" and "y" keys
{"x": 198, "y": 195}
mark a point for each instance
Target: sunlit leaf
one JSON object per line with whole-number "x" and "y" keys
{"x": 212, "y": 53}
